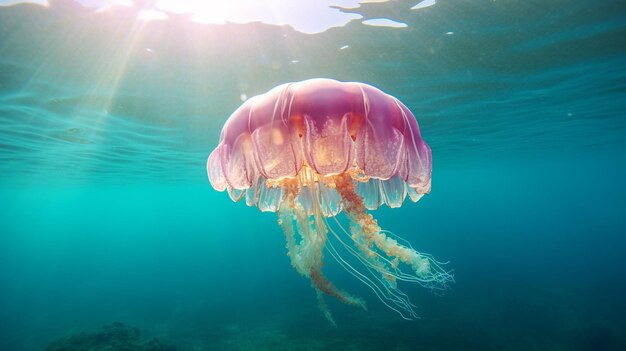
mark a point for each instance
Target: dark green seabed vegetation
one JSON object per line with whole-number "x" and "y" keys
{"x": 113, "y": 337}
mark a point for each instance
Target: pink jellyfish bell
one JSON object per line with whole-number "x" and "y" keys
{"x": 313, "y": 149}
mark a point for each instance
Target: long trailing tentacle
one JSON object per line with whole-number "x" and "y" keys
{"x": 381, "y": 252}
{"x": 387, "y": 293}
{"x": 369, "y": 238}
{"x": 384, "y": 255}
{"x": 391, "y": 297}
{"x": 306, "y": 238}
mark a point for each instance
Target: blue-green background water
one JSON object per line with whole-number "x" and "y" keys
{"x": 106, "y": 213}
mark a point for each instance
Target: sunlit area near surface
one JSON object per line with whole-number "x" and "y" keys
{"x": 115, "y": 57}
{"x": 304, "y": 16}
{"x": 170, "y": 70}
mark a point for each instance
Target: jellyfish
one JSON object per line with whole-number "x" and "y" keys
{"x": 318, "y": 149}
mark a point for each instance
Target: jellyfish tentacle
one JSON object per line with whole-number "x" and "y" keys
{"x": 321, "y": 303}
{"x": 367, "y": 262}
{"x": 382, "y": 295}
{"x": 327, "y": 287}
{"x": 319, "y": 280}
{"x": 381, "y": 287}
{"x": 306, "y": 232}
{"x": 386, "y": 295}
{"x": 367, "y": 234}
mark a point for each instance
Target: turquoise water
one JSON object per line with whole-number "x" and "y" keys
{"x": 106, "y": 213}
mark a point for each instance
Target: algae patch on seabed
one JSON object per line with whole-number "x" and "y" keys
{"x": 116, "y": 336}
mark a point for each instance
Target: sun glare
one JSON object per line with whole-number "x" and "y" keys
{"x": 15, "y": 2}
{"x": 209, "y": 11}
{"x": 305, "y": 16}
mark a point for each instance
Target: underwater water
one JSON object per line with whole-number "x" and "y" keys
{"x": 106, "y": 212}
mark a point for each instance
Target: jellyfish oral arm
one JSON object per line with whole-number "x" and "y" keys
{"x": 379, "y": 253}
{"x": 306, "y": 238}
